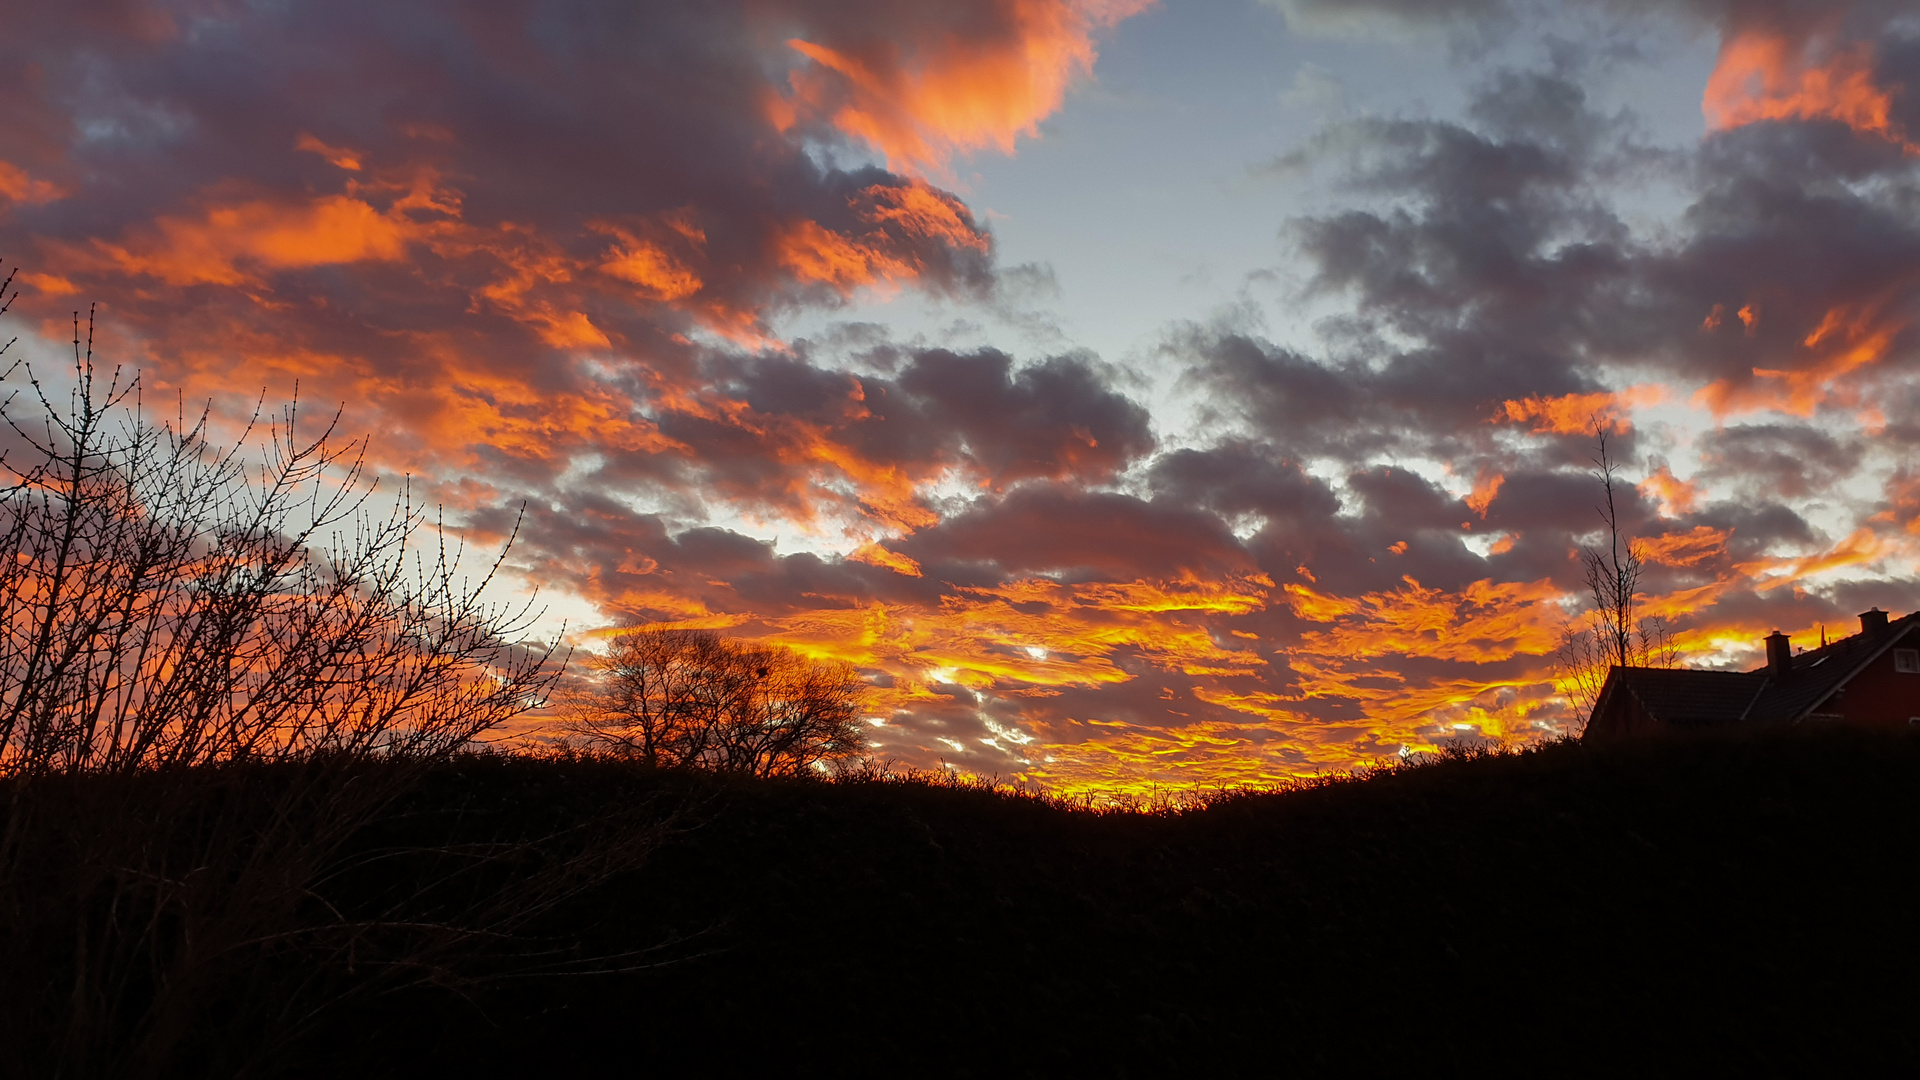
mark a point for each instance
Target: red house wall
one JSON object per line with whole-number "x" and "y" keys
{"x": 1880, "y": 696}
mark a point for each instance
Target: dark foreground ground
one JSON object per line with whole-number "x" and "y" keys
{"x": 1704, "y": 905}
{"x": 1701, "y": 905}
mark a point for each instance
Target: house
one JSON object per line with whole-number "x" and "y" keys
{"x": 1871, "y": 678}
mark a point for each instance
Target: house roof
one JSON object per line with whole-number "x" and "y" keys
{"x": 1817, "y": 673}
{"x": 1686, "y": 697}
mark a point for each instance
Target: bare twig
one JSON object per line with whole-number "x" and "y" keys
{"x": 1610, "y": 634}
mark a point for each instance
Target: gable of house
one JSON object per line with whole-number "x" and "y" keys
{"x": 1639, "y": 699}
{"x": 1872, "y": 677}
{"x": 1823, "y": 682}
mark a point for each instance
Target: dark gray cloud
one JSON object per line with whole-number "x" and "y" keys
{"x": 1796, "y": 16}
{"x": 1793, "y": 460}
{"x": 1241, "y": 477}
{"x": 1487, "y": 264}
{"x": 1044, "y": 528}
{"x": 1494, "y": 270}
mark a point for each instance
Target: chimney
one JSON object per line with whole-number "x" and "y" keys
{"x": 1779, "y": 656}
{"x": 1872, "y": 622}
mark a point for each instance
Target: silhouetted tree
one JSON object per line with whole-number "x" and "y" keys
{"x": 1609, "y": 634}
{"x": 165, "y": 602}
{"x": 692, "y": 698}
{"x": 219, "y": 666}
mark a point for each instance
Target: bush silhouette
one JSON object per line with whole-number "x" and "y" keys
{"x": 222, "y": 669}
{"x": 679, "y": 698}
{"x": 168, "y": 603}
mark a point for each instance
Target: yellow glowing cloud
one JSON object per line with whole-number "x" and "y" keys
{"x": 1861, "y": 546}
{"x": 875, "y": 555}
{"x": 1576, "y": 414}
{"x": 1686, "y": 549}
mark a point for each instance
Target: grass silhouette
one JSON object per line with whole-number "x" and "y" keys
{"x": 1718, "y": 902}
{"x": 1715, "y": 902}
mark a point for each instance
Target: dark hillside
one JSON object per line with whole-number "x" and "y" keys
{"x": 1739, "y": 904}
{"x": 1706, "y": 904}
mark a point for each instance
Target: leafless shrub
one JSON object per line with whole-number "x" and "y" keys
{"x": 221, "y": 668}
{"x": 692, "y": 698}
{"x": 169, "y": 604}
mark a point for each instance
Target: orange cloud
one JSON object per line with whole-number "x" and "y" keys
{"x": 220, "y": 245}
{"x": 50, "y": 284}
{"x": 541, "y": 283}
{"x": 19, "y": 187}
{"x": 1096, "y": 757}
{"x": 1676, "y": 496}
{"x": 1688, "y": 601}
{"x": 1861, "y": 546}
{"x": 899, "y": 218}
{"x": 1903, "y": 493}
{"x": 1486, "y": 487}
{"x": 529, "y": 264}
{"x": 922, "y": 213}
{"x": 1319, "y": 607}
{"x": 1033, "y": 633}
{"x": 1764, "y": 74}
{"x": 816, "y": 254}
{"x": 1575, "y": 414}
{"x": 1399, "y": 712}
{"x": 660, "y": 274}
{"x": 464, "y": 416}
{"x": 1482, "y": 622}
{"x": 681, "y": 613}
{"x": 1686, "y": 549}
{"x": 884, "y": 493}
{"x": 875, "y": 555}
{"x": 1359, "y": 657}
{"x": 1233, "y": 596}
{"x": 921, "y": 101}
{"x": 338, "y": 157}
{"x": 1848, "y": 339}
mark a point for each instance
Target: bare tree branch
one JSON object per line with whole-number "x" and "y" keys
{"x": 220, "y": 666}
{"x": 1610, "y": 634}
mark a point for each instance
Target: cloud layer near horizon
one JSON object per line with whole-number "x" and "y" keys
{"x": 540, "y": 250}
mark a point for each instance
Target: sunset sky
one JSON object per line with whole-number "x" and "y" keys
{"x": 1138, "y": 393}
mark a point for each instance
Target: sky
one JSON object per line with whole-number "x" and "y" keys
{"x": 1139, "y": 394}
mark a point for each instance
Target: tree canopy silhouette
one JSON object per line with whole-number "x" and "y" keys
{"x": 691, "y": 698}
